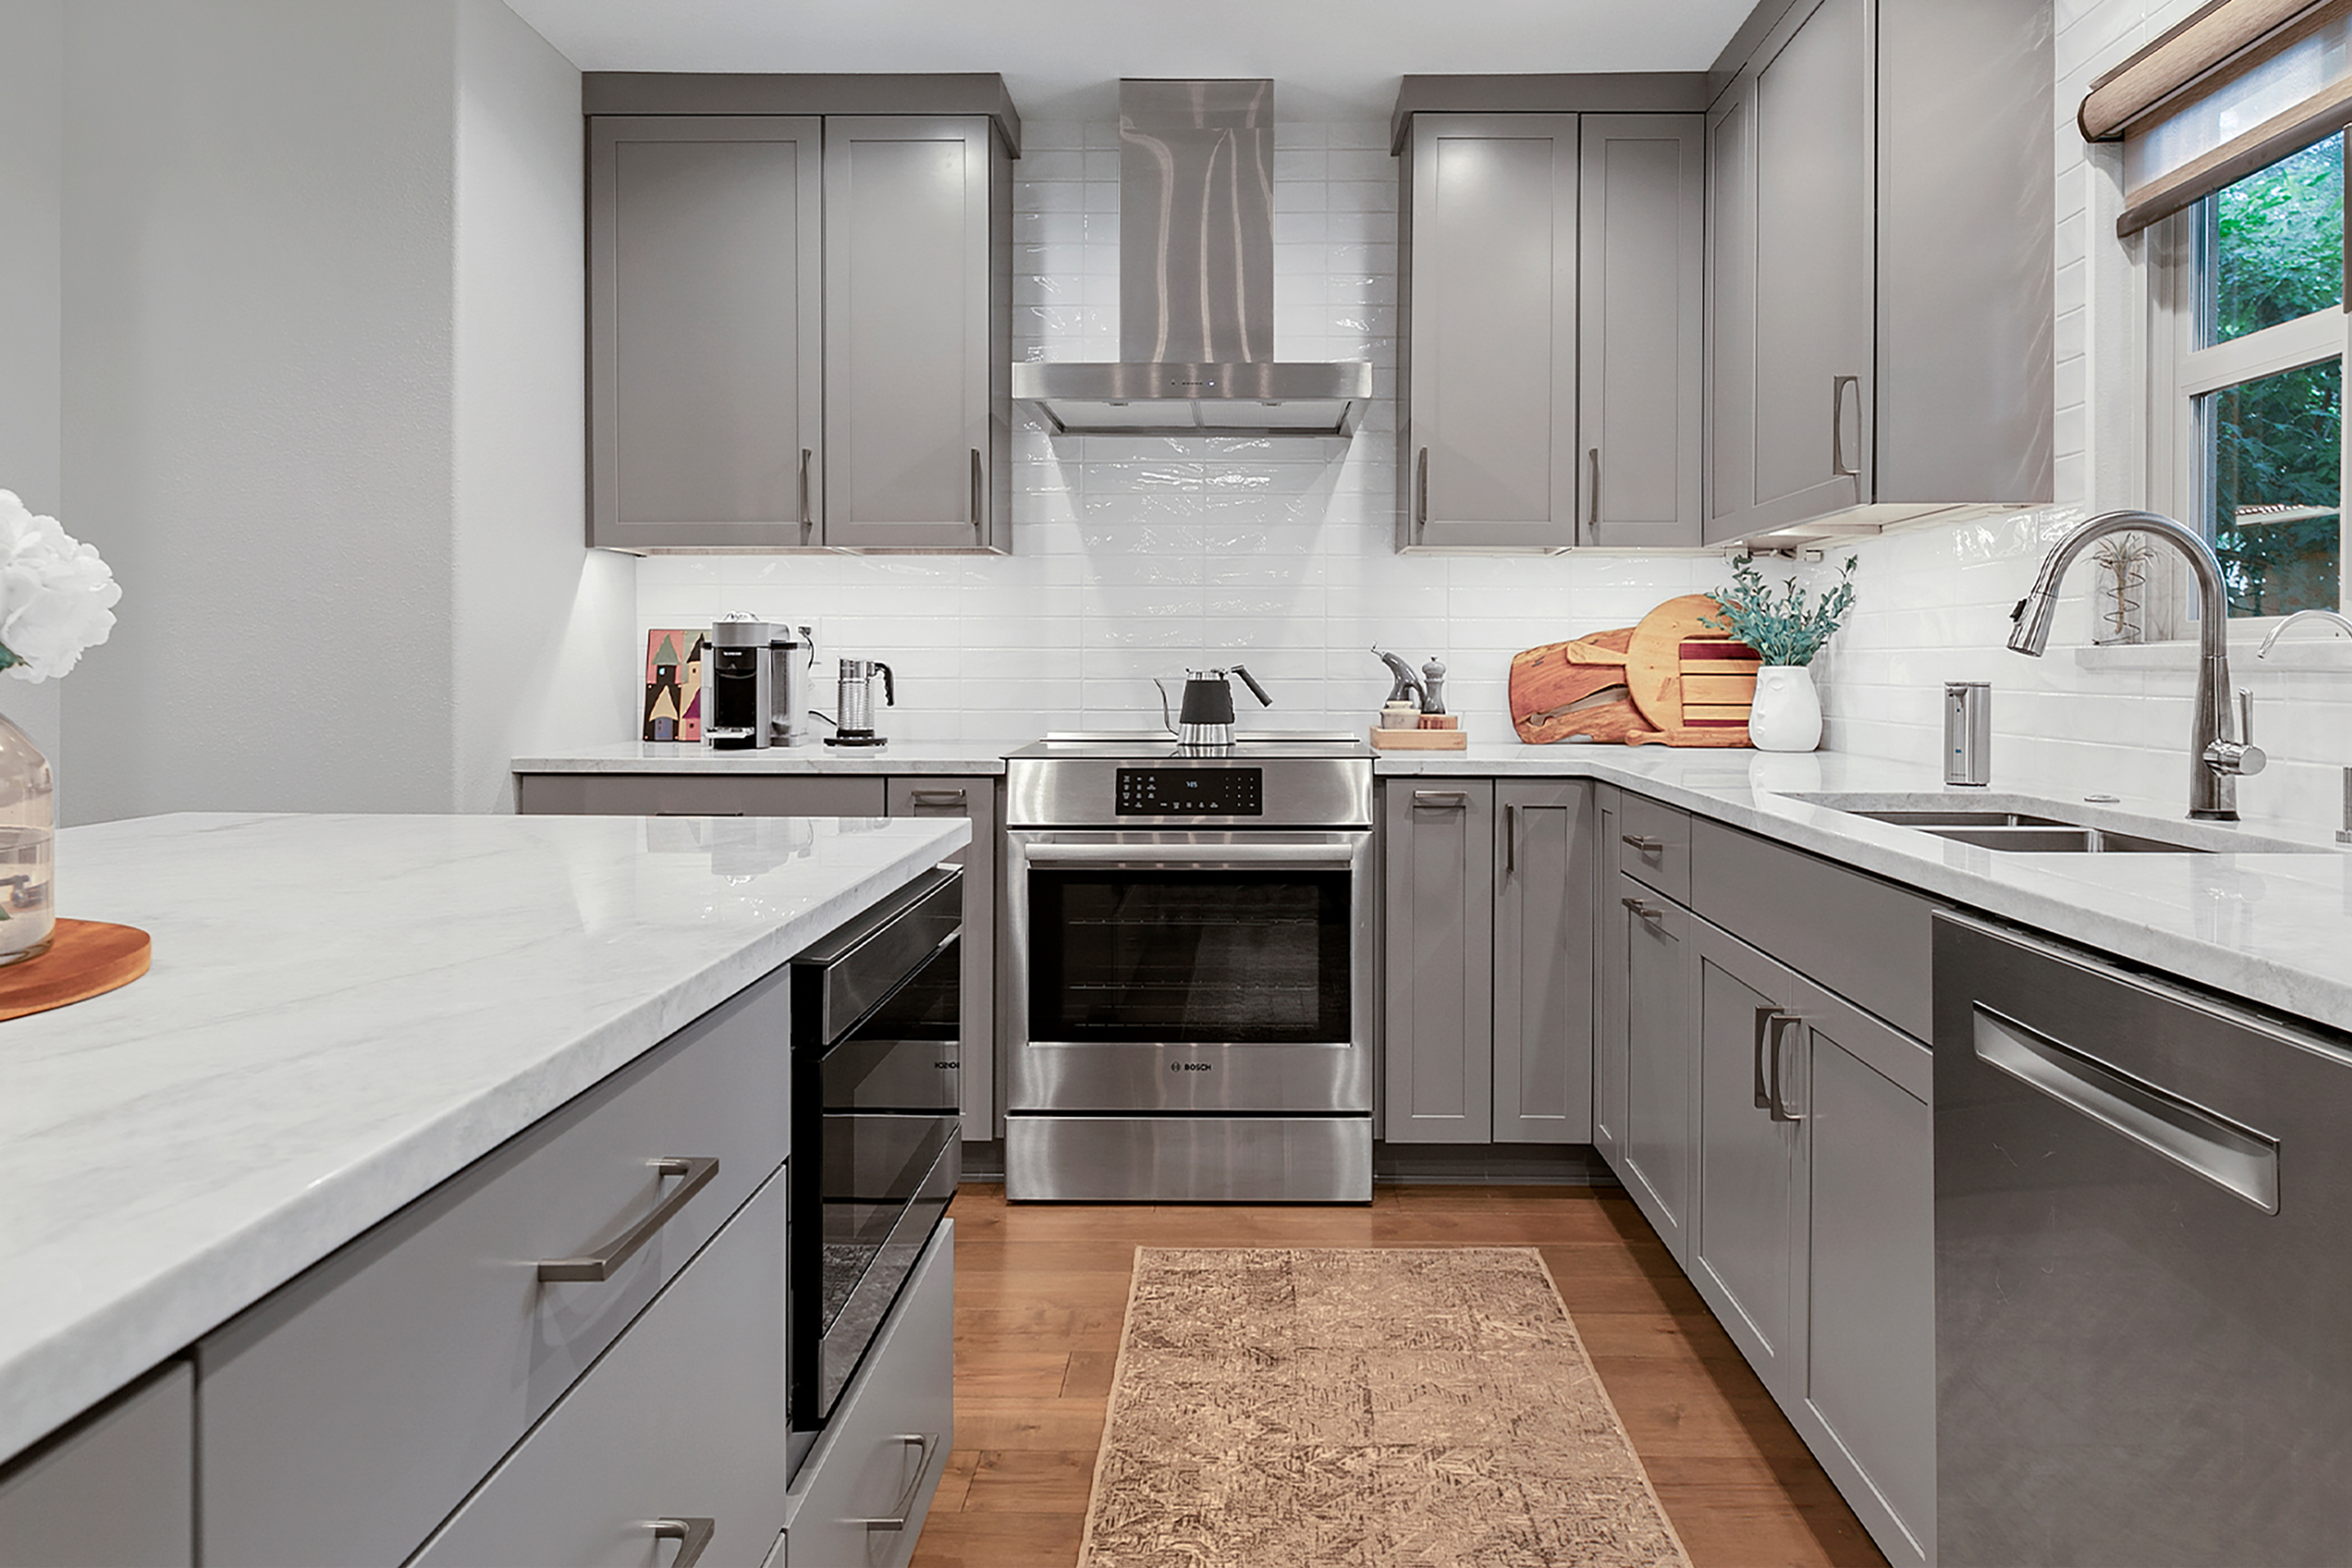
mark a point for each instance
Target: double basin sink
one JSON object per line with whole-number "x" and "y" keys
{"x": 2050, "y": 827}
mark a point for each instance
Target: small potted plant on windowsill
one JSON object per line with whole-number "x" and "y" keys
{"x": 1787, "y": 630}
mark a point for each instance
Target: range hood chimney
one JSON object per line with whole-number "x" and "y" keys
{"x": 1196, "y": 285}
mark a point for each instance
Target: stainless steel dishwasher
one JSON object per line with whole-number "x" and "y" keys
{"x": 2143, "y": 1292}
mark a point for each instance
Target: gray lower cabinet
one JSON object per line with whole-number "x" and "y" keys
{"x": 1543, "y": 1008}
{"x": 678, "y": 1431}
{"x": 700, "y": 795}
{"x": 115, "y": 1488}
{"x": 975, "y": 800}
{"x": 918, "y": 348}
{"x": 1610, "y": 957}
{"x": 863, "y": 1492}
{"x": 1657, "y": 1143}
{"x": 1439, "y": 947}
{"x": 706, "y": 353}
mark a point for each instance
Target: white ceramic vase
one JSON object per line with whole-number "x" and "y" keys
{"x": 1786, "y": 716}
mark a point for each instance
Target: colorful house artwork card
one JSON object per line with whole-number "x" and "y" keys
{"x": 674, "y": 684}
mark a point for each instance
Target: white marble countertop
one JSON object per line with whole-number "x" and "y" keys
{"x": 343, "y": 1011}
{"x": 2271, "y": 924}
{"x": 673, "y": 757}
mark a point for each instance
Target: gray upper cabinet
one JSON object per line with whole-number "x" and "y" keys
{"x": 1643, "y": 240}
{"x": 1543, "y": 963}
{"x": 1489, "y": 358}
{"x": 1879, "y": 225}
{"x": 1439, "y": 916}
{"x": 918, "y": 355}
{"x": 705, "y": 359}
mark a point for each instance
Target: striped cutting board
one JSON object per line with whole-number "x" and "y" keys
{"x": 1718, "y": 682}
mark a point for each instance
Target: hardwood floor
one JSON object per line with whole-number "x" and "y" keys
{"x": 1041, "y": 1291}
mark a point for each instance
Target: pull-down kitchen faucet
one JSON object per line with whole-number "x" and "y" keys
{"x": 2215, "y": 761}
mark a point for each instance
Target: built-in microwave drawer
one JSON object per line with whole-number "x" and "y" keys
{"x": 343, "y": 1417}
{"x": 860, "y": 1500}
{"x": 679, "y": 1431}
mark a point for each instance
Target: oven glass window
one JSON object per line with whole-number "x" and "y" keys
{"x": 1178, "y": 957}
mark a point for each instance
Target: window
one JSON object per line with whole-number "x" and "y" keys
{"x": 2252, "y": 282}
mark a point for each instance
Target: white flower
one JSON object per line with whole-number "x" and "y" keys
{"x": 57, "y": 598}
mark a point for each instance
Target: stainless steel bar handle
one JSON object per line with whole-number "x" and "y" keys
{"x": 1838, "y": 464}
{"x": 808, "y": 513}
{"x": 698, "y": 1169}
{"x": 1593, "y": 512}
{"x": 979, "y": 495}
{"x": 694, "y": 1532}
{"x": 1763, "y": 1091}
{"x": 1442, "y": 800}
{"x": 924, "y": 1442}
{"x": 1641, "y": 842}
{"x": 1190, "y": 856}
{"x": 940, "y": 797}
{"x": 1780, "y": 1109}
{"x": 1420, "y": 492}
{"x": 1510, "y": 841}
{"x": 1647, "y": 912}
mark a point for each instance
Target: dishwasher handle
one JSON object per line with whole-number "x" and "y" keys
{"x": 2237, "y": 1160}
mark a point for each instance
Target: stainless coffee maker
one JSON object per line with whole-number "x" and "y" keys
{"x": 756, "y": 679}
{"x": 855, "y": 724}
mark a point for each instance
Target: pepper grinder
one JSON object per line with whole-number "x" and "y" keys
{"x": 1433, "y": 686}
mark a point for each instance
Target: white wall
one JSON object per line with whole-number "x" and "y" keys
{"x": 542, "y": 628}
{"x": 1936, "y": 601}
{"x": 1136, "y": 558}
{"x": 321, "y": 404}
{"x": 31, "y": 172}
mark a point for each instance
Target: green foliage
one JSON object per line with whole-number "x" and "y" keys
{"x": 2276, "y": 247}
{"x": 1789, "y": 629}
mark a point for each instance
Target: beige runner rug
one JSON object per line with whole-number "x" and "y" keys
{"x": 1366, "y": 1407}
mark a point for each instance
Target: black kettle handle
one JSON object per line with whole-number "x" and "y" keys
{"x": 890, "y": 692}
{"x": 1255, "y": 690}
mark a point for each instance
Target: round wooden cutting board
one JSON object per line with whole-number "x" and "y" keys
{"x": 85, "y": 958}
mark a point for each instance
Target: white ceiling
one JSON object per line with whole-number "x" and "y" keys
{"x": 1063, "y": 58}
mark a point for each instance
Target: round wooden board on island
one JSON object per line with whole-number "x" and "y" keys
{"x": 85, "y": 958}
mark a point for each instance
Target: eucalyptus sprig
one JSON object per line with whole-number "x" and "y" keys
{"x": 1789, "y": 629}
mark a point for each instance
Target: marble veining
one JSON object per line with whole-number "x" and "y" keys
{"x": 342, "y": 1013}
{"x": 899, "y": 757}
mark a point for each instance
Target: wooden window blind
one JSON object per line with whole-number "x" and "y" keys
{"x": 2233, "y": 88}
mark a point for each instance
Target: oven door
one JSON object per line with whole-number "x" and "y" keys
{"x": 1189, "y": 972}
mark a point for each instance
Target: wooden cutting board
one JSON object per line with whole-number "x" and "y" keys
{"x": 1653, "y": 676}
{"x": 85, "y": 958}
{"x": 1564, "y": 690}
{"x": 1670, "y": 679}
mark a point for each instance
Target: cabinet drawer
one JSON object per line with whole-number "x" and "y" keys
{"x": 1864, "y": 939}
{"x": 342, "y": 1418}
{"x": 882, "y": 1455}
{"x": 698, "y": 795}
{"x": 683, "y": 1421}
{"x": 116, "y": 1487}
{"x": 1653, "y": 845}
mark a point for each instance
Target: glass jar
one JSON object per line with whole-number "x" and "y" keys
{"x": 27, "y": 846}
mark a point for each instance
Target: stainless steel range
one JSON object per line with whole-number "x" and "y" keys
{"x": 1190, "y": 999}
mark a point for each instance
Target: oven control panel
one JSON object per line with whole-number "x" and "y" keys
{"x": 1191, "y": 792}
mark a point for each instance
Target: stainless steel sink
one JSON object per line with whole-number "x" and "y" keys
{"x": 2025, "y": 834}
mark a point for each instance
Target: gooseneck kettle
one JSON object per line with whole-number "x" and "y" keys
{"x": 1205, "y": 717}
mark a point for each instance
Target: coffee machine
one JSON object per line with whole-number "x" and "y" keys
{"x": 755, "y": 685}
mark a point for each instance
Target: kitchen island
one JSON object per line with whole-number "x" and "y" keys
{"x": 343, "y": 1012}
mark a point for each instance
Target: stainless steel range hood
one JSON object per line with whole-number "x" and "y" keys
{"x": 1196, "y": 285}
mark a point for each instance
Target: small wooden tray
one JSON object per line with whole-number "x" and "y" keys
{"x": 1420, "y": 740}
{"x": 85, "y": 958}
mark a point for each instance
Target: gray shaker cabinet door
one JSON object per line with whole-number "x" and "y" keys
{"x": 1609, "y": 1016}
{"x": 117, "y": 1487}
{"x": 705, "y": 365}
{"x": 916, "y": 440}
{"x": 1543, "y": 865}
{"x": 1440, "y": 936}
{"x": 1487, "y": 456}
{"x": 1792, "y": 314}
{"x": 1639, "y": 347}
{"x": 1749, "y": 1218}
{"x": 1869, "y": 1376}
{"x": 1662, "y": 1113}
{"x": 975, "y": 800}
